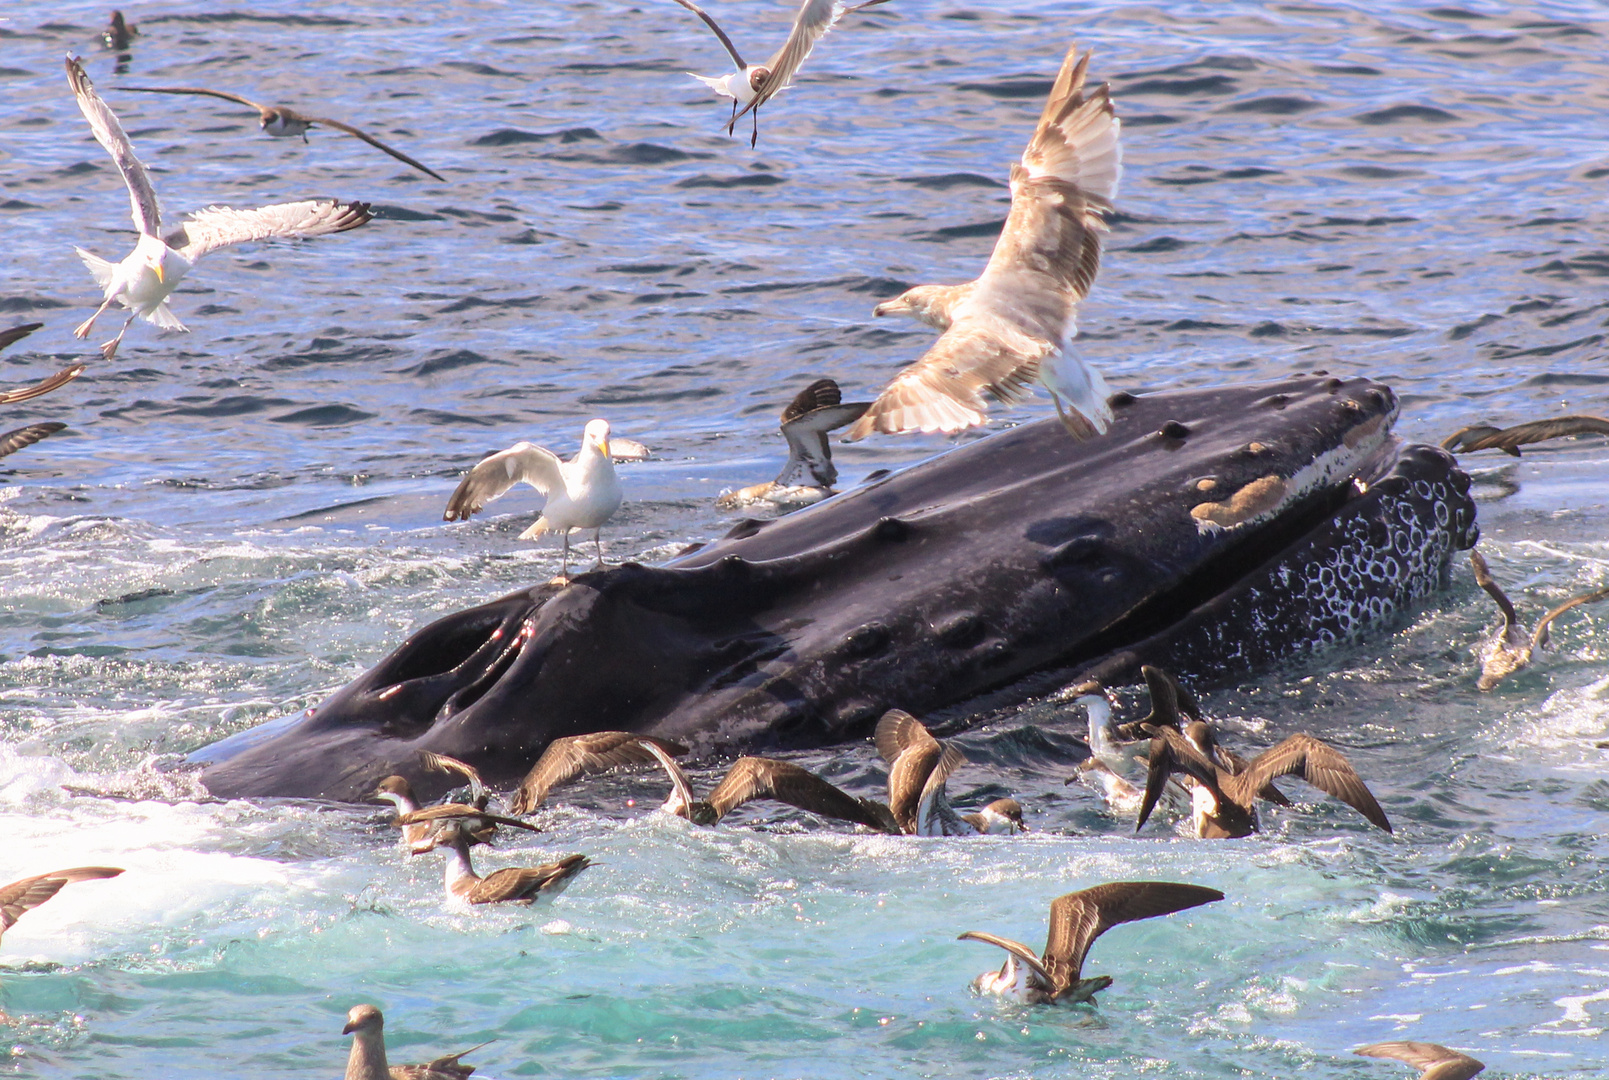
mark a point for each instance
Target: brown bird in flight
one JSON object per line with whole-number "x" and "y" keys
{"x": 1509, "y": 440}
{"x": 283, "y": 122}
{"x": 23, "y": 896}
{"x": 1433, "y": 1062}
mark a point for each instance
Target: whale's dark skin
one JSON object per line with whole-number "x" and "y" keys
{"x": 1003, "y": 567}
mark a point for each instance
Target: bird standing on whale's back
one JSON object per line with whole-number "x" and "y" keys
{"x": 1012, "y": 326}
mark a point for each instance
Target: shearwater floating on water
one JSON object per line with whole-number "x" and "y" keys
{"x": 918, "y": 768}
{"x": 367, "y": 1060}
{"x": 509, "y": 885}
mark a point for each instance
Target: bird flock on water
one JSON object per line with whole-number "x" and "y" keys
{"x": 998, "y": 335}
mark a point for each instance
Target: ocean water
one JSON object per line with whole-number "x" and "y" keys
{"x": 241, "y": 519}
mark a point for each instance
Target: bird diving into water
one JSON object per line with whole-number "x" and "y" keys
{"x": 150, "y": 273}
{"x": 752, "y": 85}
{"x": 809, "y": 474}
{"x": 1013, "y": 326}
{"x": 283, "y": 122}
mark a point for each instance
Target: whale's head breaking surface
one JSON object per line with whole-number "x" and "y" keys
{"x": 1210, "y": 531}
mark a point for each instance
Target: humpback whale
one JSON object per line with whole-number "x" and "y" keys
{"x": 1212, "y": 532}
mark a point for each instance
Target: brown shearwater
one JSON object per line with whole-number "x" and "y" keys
{"x": 20, "y": 897}
{"x": 511, "y": 884}
{"x": 367, "y": 1059}
{"x": 809, "y": 474}
{"x": 1433, "y": 1062}
{"x": 1511, "y": 649}
{"x": 569, "y": 757}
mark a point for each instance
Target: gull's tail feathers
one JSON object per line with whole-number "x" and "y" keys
{"x": 1080, "y": 392}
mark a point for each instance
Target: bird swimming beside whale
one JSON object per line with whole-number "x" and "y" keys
{"x": 509, "y": 885}
{"x": 582, "y": 493}
{"x": 1014, "y": 325}
{"x": 596, "y": 751}
{"x": 752, "y": 778}
{"x": 752, "y": 85}
{"x": 809, "y": 474}
{"x": 1077, "y": 919}
{"x": 150, "y": 273}
{"x": 918, "y": 768}
{"x": 283, "y": 122}
{"x": 367, "y": 1060}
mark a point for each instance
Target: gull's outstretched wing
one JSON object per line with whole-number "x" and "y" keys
{"x": 1021, "y": 311}
{"x": 220, "y": 226}
{"x": 815, "y": 18}
{"x": 109, "y": 133}
{"x": 522, "y": 463}
{"x": 43, "y": 386}
{"x": 236, "y": 98}
{"x": 376, "y": 143}
{"x": 726, "y": 42}
{"x": 1078, "y": 918}
{"x": 442, "y": 763}
{"x": 12, "y": 441}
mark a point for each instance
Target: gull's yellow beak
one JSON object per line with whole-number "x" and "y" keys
{"x": 159, "y": 275}
{"x": 603, "y": 444}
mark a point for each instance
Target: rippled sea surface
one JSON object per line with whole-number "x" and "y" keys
{"x": 242, "y": 518}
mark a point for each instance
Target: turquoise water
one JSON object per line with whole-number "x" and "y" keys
{"x": 241, "y": 519}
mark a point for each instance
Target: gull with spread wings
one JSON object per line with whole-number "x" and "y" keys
{"x": 150, "y": 273}
{"x": 284, "y": 122}
{"x": 1013, "y": 325}
{"x": 752, "y": 85}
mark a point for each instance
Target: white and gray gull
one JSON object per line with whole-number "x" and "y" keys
{"x": 752, "y": 85}
{"x": 582, "y": 493}
{"x": 145, "y": 279}
{"x": 1013, "y": 326}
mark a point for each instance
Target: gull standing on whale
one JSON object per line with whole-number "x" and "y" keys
{"x": 582, "y": 493}
{"x": 1014, "y": 325}
{"x": 150, "y": 273}
{"x": 283, "y": 122}
{"x": 752, "y": 85}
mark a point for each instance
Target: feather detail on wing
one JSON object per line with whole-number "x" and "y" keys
{"x": 23, "y": 896}
{"x": 522, "y": 463}
{"x": 1077, "y": 919}
{"x": 109, "y": 133}
{"x": 12, "y": 441}
{"x": 43, "y": 386}
{"x": 11, "y": 335}
{"x": 566, "y": 758}
{"x": 1015, "y": 948}
{"x": 376, "y": 143}
{"x": 220, "y": 226}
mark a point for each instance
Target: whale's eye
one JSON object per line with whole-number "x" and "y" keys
{"x": 758, "y": 78}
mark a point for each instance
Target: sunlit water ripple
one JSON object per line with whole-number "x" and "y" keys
{"x": 241, "y": 519}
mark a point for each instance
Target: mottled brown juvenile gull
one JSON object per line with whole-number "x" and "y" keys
{"x": 1510, "y": 648}
{"x": 752, "y": 85}
{"x": 1014, "y": 325}
{"x": 145, "y": 279}
{"x": 367, "y": 1059}
{"x": 20, "y": 897}
{"x": 1076, "y": 920}
{"x": 1433, "y": 1062}
{"x": 582, "y": 493}
{"x": 809, "y": 474}
{"x": 284, "y": 122}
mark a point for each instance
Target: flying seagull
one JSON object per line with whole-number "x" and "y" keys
{"x": 367, "y": 1059}
{"x": 285, "y": 122}
{"x": 809, "y": 475}
{"x": 1076, "y": 920}
{"x": 752, "y": 85}
{"x": 145, "y": 279}
{"x": 582, "y": 493}
{"x": 569, "y": 757}
{"x": 23, "y": 896}
{"x": 1224, "y": 801}
{"x": 1014, "y": 325}
{"x": 1511, "y": 649}
{"x": 1509, "y": 440}
{"x": 918, "y": 768}
{"x": 1433, "y": 1062}
{"x": 510, "y": 885}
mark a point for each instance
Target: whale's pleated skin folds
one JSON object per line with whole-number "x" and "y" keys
{"x": 1212, "y": 532}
